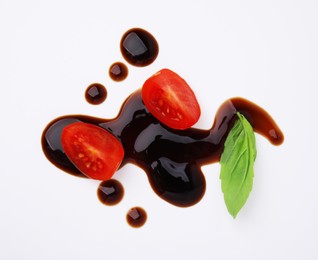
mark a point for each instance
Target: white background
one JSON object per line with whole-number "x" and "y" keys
{"x": 265, "y": 51}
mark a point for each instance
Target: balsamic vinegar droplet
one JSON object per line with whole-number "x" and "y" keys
{"x": 139, "y": 47}
{"x": 118, "y": 71}
{"x": 95, "y": 94}
{"x": 110, "y": 192}
{"x": 136, "y": 217}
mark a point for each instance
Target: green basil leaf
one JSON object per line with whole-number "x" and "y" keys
{"x": 237, "y": 165}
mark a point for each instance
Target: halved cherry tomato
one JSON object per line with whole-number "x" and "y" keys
{"x": 170, "y": 99}
{"x": 92, "y": 149}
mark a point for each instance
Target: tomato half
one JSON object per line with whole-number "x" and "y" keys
{"x": 170, "y": 99}
{"x": 93, "y": 150}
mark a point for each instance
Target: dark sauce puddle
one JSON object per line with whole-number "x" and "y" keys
{"x": 172, "y": 159}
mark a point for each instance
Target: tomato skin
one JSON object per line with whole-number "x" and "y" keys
{"x": 92, "y": 149}
{"x": 170, "y": 99}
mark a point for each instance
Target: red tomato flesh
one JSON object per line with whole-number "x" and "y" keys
{"x": 170, "y": 99}
{"x": 93, "y": 150}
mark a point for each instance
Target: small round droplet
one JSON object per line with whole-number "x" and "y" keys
{"x": 118, "y": 71}
{"x": 110, "y": 192}
{"x": 95, "y": 94}
{"x": 139, "y": 47}
{"x": 136, "y": 217}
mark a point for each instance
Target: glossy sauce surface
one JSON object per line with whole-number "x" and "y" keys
{"x": 139, "y": 47}
{"x": 118, "y": 71}
{"x": 95, "y": 94}
{"x": 172, "y": 159}
{"x": 110, "y": 192}
{"x": 136, "y": 217}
